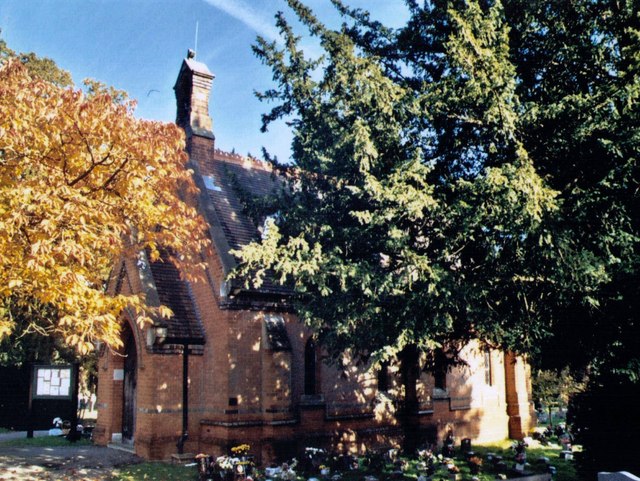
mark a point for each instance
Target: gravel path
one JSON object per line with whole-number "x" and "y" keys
{"x": 65, "y": 463}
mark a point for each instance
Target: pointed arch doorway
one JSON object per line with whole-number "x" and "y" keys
{"x": 129, "y": 387}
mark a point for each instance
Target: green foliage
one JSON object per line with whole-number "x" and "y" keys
{"x": 473, "y": 173}
{"x": 413, "y": 206}
{"x": 29, "y": 342}
{"x": 554, "y": 389}
{"x": 577, "y": 63}
{"x": 415, "y": 218}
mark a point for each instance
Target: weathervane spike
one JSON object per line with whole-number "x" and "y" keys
{"x": 195, "y": 48}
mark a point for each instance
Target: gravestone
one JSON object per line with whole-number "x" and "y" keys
{"x": 617, "y": 476}
{"x": 465, "y": 445}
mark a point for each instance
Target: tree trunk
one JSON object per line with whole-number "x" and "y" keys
{"x": 409, "y": 369}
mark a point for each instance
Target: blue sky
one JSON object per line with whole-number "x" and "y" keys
{"x": 138, "y": 46}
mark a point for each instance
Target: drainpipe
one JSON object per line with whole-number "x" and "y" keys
{"x": 185, "y": 399}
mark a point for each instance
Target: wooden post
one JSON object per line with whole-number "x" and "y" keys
{"x": 73, "y": 435}
{"x": 30, "y": 403}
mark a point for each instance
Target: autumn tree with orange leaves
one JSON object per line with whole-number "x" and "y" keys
{"x": 83, "y": 181}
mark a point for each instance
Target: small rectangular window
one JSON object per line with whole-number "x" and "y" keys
{"x": 210, "y": 183}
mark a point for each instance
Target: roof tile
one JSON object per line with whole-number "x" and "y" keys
{"x": 175, "y": 293}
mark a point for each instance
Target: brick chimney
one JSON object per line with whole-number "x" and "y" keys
{"x": 192, "y": 88}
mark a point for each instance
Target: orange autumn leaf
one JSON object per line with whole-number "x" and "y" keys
{"x": 83, "y": 181}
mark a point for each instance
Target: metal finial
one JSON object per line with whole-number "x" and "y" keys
{"x": 195, "y": 47}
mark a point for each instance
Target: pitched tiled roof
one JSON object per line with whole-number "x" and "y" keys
{"x": 174, "y": 292}
{"x": 254, "y": 178}
{"x": 230, "y": 171}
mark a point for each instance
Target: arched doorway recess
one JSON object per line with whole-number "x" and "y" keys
{"x": 129, "y": 387}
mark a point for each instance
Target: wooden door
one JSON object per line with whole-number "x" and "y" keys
{"x": 129, "y": 399}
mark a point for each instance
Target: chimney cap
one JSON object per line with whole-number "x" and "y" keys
{"x": 195, "y": 67}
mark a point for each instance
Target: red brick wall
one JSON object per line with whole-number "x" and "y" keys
{"x": 267, "y": 386}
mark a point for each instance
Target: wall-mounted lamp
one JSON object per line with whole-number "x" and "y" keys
{"x": 156, "y": 335}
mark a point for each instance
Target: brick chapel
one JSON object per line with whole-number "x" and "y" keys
{"x": 235, "y": 366}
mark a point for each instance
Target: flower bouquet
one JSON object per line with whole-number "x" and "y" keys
{"x": 205, "y": 466}
{"x": 475, "y": 464}
{"x": 454, "y": 472}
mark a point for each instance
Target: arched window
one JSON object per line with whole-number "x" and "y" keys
{"x": 310, "y": 381}
{"x": 383, "y": 377}
{"x": 440, "y": 369}
{"x": 488, "y": 375}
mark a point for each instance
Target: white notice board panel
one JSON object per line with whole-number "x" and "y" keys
{"x": 52, "y": 382}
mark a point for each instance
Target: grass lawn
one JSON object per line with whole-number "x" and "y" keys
{"x": 155, "y": 472}
{"x": 565, "y": 469}
{"x": 43, "y": 441}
